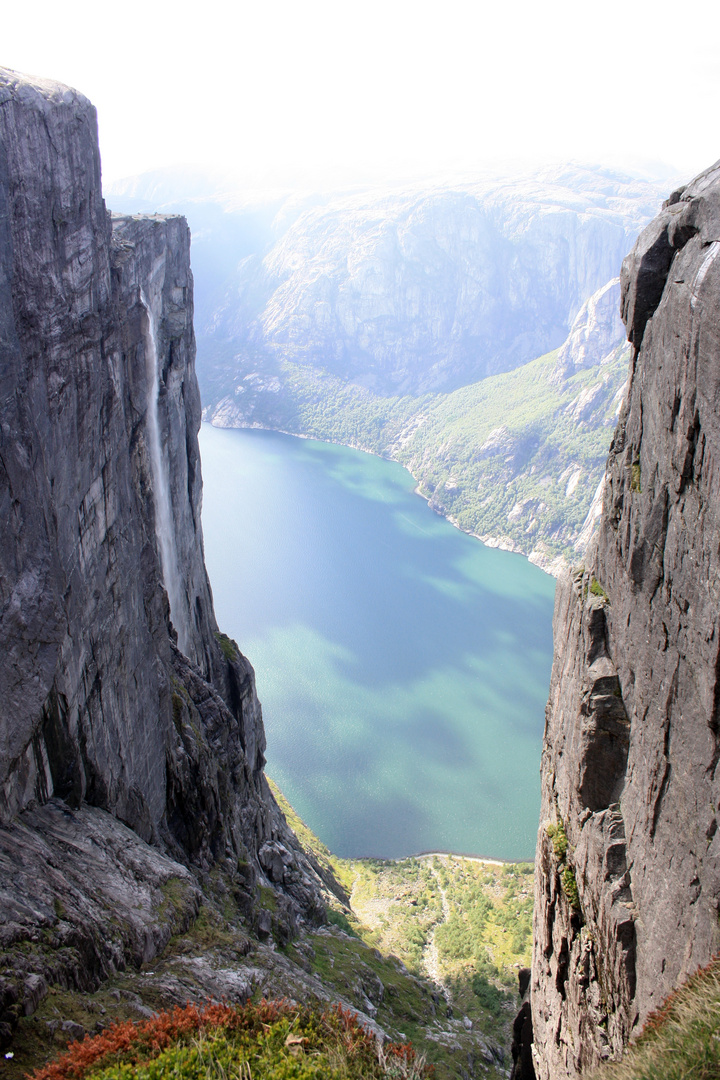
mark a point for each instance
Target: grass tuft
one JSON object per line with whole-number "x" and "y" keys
{"x": 597, "y": 590}
{"x": 558, "y": 839}
{"x": 228, "y": 646}
{"x": 681, "y": 1040}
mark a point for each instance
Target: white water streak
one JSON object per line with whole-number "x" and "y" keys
{"x": 700, "y": 276}
{"x": 164, "y": 519}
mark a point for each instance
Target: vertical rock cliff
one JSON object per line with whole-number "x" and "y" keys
{"x": 628, "y": 856}
{"x": 125, "y": 717}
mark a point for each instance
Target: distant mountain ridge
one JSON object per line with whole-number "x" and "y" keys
{"x": 422, "y": 289}
{"x": 391, "y": 321}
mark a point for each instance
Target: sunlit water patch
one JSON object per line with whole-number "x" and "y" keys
{"x": 403, "y": 667}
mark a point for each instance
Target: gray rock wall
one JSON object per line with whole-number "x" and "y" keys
{"x": 631, "y": 748}
{"x": 98, "y": 705}
{"x": 88, "y": 695}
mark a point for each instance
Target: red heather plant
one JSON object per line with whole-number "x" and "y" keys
{"x": 136, "y": 1043}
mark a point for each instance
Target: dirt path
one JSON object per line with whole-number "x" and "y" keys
{"x": 431, "y": 961}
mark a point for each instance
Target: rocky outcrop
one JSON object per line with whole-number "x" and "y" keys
{"x": 117, "y": 691}
{"x": 82, "y": 897}
{"x": 628, "y": 857}
{"x": 595, "y": 334}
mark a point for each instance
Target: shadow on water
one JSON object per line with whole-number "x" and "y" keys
{"x": 403, "y": 667}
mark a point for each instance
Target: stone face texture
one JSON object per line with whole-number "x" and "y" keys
{"x": 414, "y": 291}
{"x": 97, "y": 704}
{"x": 631, "y": 747}
{"x": 595, "y": 334}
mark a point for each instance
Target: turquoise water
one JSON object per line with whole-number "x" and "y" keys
{"x": 403, "y": 667}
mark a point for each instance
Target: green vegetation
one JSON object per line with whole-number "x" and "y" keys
{"x": 398, "y": 905}
{"x": 516, "y": 456}
{"x": 174, "y": 906}
{"x": 488, "y": 930}
{"x": 268, "y": 1041}
{"x": 597, "y": 590}
{"x": 375, "y": 983}
{"x": 681, "y": 1040}
{"x": 569, "y": 884}
{"x": 558, "y": 837}
{"x": 560, "y": 845}
{"x": 488, "y": 994}
{"x": 267, "y": 898}
{"x": 228, "y": 646}
{"x": 340, "y": 919}
{"x": 208, "y": 931}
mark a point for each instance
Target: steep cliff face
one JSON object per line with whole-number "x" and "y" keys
{"x": 415, "y": 291}
{"x": 628, "y": 858}
{"x": 102, "y": 574}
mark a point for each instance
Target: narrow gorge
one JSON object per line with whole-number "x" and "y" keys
{"x": 139, "y": 836}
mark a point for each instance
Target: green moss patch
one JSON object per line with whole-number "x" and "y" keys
{"x": 558, "y": 839}
{"x": 597, "y": 590}
{"x": 229, "y": 648}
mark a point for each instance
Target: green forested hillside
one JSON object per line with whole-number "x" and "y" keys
{"x": 515, "y": 458}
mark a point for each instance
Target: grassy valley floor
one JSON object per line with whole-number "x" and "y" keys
{"x": 458, "y": 930}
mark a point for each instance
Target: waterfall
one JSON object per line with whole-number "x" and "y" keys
{"x": 164, "y": 521}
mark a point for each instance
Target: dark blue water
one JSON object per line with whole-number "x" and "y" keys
{"x": 403, "y": 667}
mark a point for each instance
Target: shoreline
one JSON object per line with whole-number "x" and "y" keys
{"x": 458, "y": 855}
{"x": 486, "y": 860}
{"x": 554, "y": 568}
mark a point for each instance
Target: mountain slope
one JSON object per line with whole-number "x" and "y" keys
{"x": 515, "y": 458}
{"x": 418, "y": 289}
{"x": 428, "y": 291}
{"x": 360, "y": 318}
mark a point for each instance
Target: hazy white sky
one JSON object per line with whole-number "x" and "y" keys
{"x": 382, "y": 85}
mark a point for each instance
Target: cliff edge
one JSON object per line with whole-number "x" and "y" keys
{"x": 628, "y": 854}
{"x": 131, "y": 737}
